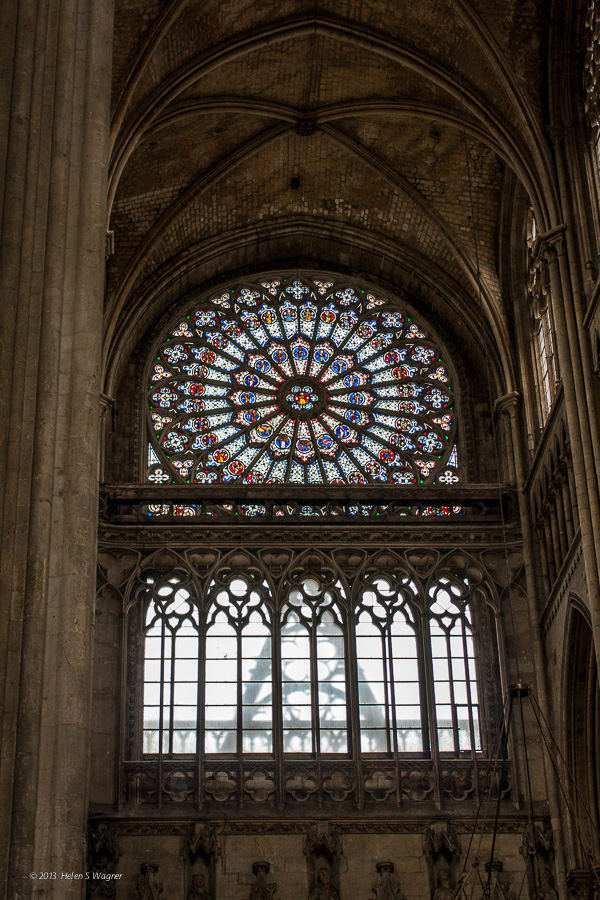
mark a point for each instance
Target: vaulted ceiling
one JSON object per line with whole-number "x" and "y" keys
{"x": 337, "y": 132}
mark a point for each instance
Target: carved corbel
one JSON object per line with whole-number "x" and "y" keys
{"x": 200, "y": 841}
{"x": 442, "y": 849}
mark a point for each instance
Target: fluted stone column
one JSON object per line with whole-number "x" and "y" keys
{"x": 56, "y": 63}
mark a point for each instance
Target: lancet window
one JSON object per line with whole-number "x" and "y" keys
{"x": 542, "y": 328}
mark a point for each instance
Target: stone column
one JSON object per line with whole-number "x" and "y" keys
{"x": 584, "y": 464}
{"x": 509, "y": 405}
{"x": 55, "y": 154}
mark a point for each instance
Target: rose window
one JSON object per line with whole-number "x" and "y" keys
{"x": 300, "y": 381}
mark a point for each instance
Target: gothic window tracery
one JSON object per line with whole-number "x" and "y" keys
{"x": 389, "y": 689}
{"x": 230, "y": 669}
{"x": 300, "y": 381}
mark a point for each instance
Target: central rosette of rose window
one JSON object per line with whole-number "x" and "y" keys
{"x": 302, "y": 398}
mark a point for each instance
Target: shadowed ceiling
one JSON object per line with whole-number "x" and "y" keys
{"x": 246, "y": 133}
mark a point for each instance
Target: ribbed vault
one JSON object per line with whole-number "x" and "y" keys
{"x": 246, "y": 133}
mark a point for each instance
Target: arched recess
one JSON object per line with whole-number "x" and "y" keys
{"x": 581, "y": 736}
{"x": 478, "y": 458}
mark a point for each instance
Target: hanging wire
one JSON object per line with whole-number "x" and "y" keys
{"x": 587, "y": 851}
{"x": 498, "y": 748}
{"x": 530, "y": 812}
{"x": 517, "y": 690}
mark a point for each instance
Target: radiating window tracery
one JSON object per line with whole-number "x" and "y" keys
{"x": 302, "y": 382}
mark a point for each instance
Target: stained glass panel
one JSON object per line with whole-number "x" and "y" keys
{"x": 275, "y": 382}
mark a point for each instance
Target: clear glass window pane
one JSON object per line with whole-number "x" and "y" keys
{"x": 331, "y": 670}
{"x": 184, "y": 741}
{"x": 299, "y": 741}
{"x": 221, "y": 670}
{"x": 184, "y": 716}
{"x": 331, "y": 693}
{"x": 256, "y": 669}
{"x": 445, "y": 740}
{"x": 373, "y": 740}
{"x": 442, "y": 692}
{"x": 296, "y": 692}
{"x": 300, "y": 716}
{"x": 152, "y": 694}
{"x": 406, "y": 669}
{"x": 221, "y": 716}
{"x": 186, "y": 647}
{"x": 150, "y": 742}
{"x": 410, "y": 741}
{"x": 372, "y": 717}
{"x": 186, "y": 670}
{"x": 218, "y": 692}
{"x": 186, "y": 693}
{"x": 407, "y": 692}
{"x": 370, "y": 670}
{"x": 371, "y": 692}
{"x": 257, "y": 742}
{"x": 333, "y": 741}
{"x": 152, "y": 649}
{"x": 256, "y": 693}
{"x": 218, "y": 647}
{"x": 220, "y": 741}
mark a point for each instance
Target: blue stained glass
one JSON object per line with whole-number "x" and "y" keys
{"x": 339, "y": 365}
{"x": 429, "y": 442}
{"x": 271, "y": 286}
{"x": 268, "y": 317}
{"x": 206, "y": 355}
{"x": 326, "y": 320}
{"x": 278, "y": 472}
{"x": 377, "y": 364}
{"x": 252, "y": 323}
{"x": 308, "y": 318}
{"x": 260, "y": 469}
{"x": 222, "y": 343}
{"x": 370, "y": 466}
{"x": 334, "y": 474}
{"x": 314, "y": 473}
{"x": 296, "y": 475}
{"x": 274, "y": 386}
{"x": 210, "y": 438}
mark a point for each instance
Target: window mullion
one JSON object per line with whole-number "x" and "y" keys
{"x": 314, "y": 689}
{"x": 428, "y": 679}
{"x": 453, "y": 709}
{"x": 468, "y": 687}
{"x": 161, "y": 707}
{"x": 352, "y": 699}
{"x": 201, "y": 703}
{"x": 240, "y": 693}
{"x": 390, "y": 692}
{"x": 277, "y": 694}
{"x": 172, "y": 697}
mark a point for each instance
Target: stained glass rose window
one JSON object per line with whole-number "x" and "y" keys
{"x": 300, "y": 382}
